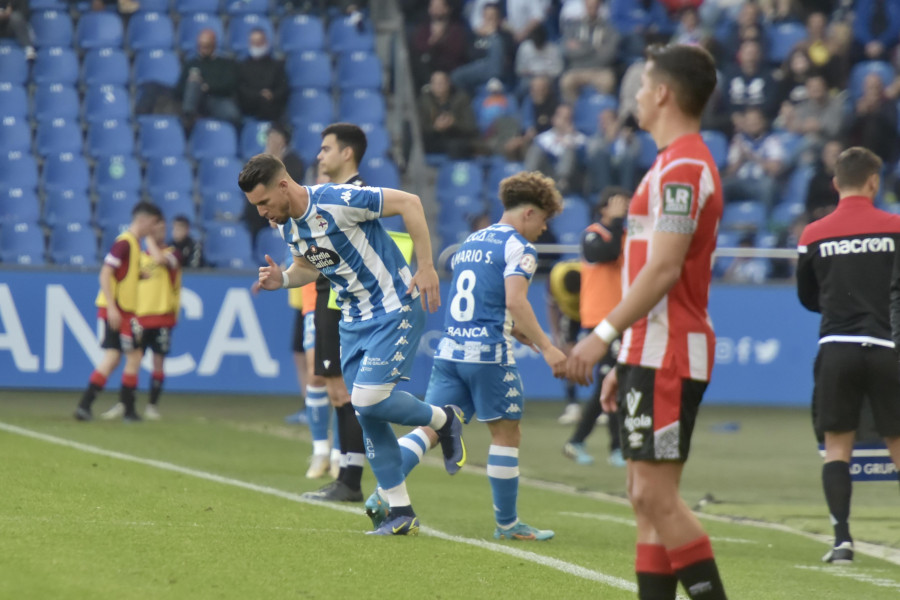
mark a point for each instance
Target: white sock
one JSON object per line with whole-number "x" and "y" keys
{"x": 321, "y": 447}
{"x": 397, "y": 496}
{"x": 438, "y": 418}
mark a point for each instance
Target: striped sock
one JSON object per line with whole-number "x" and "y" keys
{"x": 318, "y": 409}
{"x": 503, "y": 473}
{"x": 412, "y": 447}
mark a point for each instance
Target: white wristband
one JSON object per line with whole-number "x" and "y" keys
{"x": 285, "y": 281}
{"x": 606, "y": 332}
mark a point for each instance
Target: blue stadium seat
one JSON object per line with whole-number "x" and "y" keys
{"x": 114, "y": 207}
{"x": 498, "y": 170}
{"x": 718, "y": 146}
{"x": 253, "y": 137}
{"x": 311, "y": 105}
{"x": 168, "y": 172}
{"x": 63, "y": 206}
{"x": 588, "y": 108}
{"x": 18, "y": 169}
{"x": 748, "y": 214}
{"x": 51, "y": 28}
{"x": 191, "y": 25}
{"x": 156, "y": 66}
{"x": 223, "y": 205}
{"x": 174, "y": 202}
{"x": 782, "y": 39}
{"x": 73, "y": 244}
{"x": 378, "y": 171}
{"x": 218, "y": 173}
{"x": 246, "y": 7}
{"x": 13, "y": 66}
{"x": 154, "y": 6}
{"x": 117, "y": 173}
{"x": 213, "y": 138}
{"x": 307, "y": 139}
{"x": 346, "y": 35}
{"x": 55, "y": 65}
{"x": 109, "y": 138}
{"x": 570, "y": 223}
{"x": 15, "y": 135}
{"x": 361, "y": 106}
{"x": 104, "y": 102}
{"x": 378, "y": 139}
{"x": 268, "y": 241}
{"x": 797, "y": 185}
{"x": 860, "y": 70}
{"x": 19, "y": 205}
{"x": 358, "y": 70}
{"x": 229, "y": 246}
{"x": 109, "y": 234}
{"x": 460, "y": 178}
{"x": 300, "y": 33}
{"x": 186, "y": 7}
{"x": 160, "y": 136}
{"x": 648, "y": 150}
{"x": 785, "y": 213}
{"x": 21, "y": 243}
{"x": 36, "y": 5}
{"x": 57, "y": 136}
{"x": 65, "y": 171}
{"x": 239, "y": 28}
{"x": 55, "y": 101}
{"x": 105, "y": 66}
{"x": 150, "y": 31}
{"x": 13, "y": 101}
{"x": 99, "y": 30}
{"x": 310, "y": 69}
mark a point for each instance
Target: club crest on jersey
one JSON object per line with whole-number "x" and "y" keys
{"x": 677, "y": 199}
{"x": 528, "y": 263}
{"x": 321, "y": 258}
{"x": 321, "y": 223}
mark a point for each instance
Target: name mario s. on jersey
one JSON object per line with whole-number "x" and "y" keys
{"x": 321, "y": 258}
{"x": 857, "y": 246}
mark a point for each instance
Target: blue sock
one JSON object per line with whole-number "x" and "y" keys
{"x": 503, "y": 473}
{"x": 412, "y": 446}
{"x": 318, "y": 411}
{"x": 401, "y": 408}
{"x": 382, "y": 451}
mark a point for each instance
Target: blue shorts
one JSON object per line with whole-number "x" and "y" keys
{"x": 492, "y": 391}
{"x": 381, "y": 350}
{"x": 309, "y": 331}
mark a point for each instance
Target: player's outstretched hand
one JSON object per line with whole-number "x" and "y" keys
{"x": 270, "y": 276}
{"x": 584, "y": 356}
{"x": 426, "y": 279}
{"x": 556, "y": 358}
{"x": 609, "y": 392}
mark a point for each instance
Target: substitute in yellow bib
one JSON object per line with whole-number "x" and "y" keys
{"x": 117, "y": 306}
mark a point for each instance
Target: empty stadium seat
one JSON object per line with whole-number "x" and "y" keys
{"x": 160, "y": 136}
{"x": 186, "y": 7}
{"x": 246, "y": 7}
{"x": 105, "y": 66}
{"x": 68, "y": 170}
{"x": 311, "y": 105}
{"x": 18, "y": 169}
{"x": 782, "y": 39}
{"x": 19, "y": 204}
{"x": 745, "y": 215}
{"x": 108, "y": 234}
{"x": 361, "y": 106}
{"x": 253, "y": 137}
{"x": 114, "y": 207}
{"x": 104, "y": 102}
{"x": 358, "y": 70}
{"x": 99, "y": 29}
{"x": 73, "y": 244}
{"x": 568, "y": 225}
{"x": 21, "y": 243}
{"x": 378, "y": 139}
{"x": 109, "y": 138}
{"x": 268, "y": 241}
{"x": 239, "y": 28}
{"x": 150, "y": 31}
{"x": 211, "y": 138}
{"x": 588, "y": 108}
{"x": 168, "y": 172}
{"x": 65, "y": 206}
{"x": 348, "y": 34}
{"x": 36, "y": 5}
{"x": 310, "y": 69}
{"x": 13, "y": 101}
{"x": 785, "y": 213}
{"x": 300, "y": 33}
{"x": 117, "y": 173}
{"x": 51, "y": 28}
{"x": 174, "y": 202}
{"x": 229, "y": 246}
{"x": 191, "y": 25}
{"x": 154, "y": 6}
{"x": 57, "y": 136}
{"x": 55, "y": 65}
{"x": 379, "y": 171}
{"x": 797, "y": 185}
{"x": 460, "y": 178}
{"x": 15, "y": 135}
{"x": 156, "y": 66}
{"x": 55, "y": 101}
{"x": 218, "y": 173}
{"x": 718, "y": 146}
{"x": 307, "y": 139}
{"x": 13, "y": 66}
{"x": 222, "y": 205}
{"x": 498, "y": 170}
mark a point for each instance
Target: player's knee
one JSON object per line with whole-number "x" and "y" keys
{"x": 367, "y": 400}
{"x": 651, "y": 500}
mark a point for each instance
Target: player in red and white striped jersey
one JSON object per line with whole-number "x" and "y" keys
{"x": 668, "y": 343}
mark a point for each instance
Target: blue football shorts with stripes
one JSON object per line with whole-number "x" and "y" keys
{"x": 492, "y": 391}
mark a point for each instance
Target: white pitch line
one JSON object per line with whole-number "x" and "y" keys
{"x": 853, "y": 574}
{"x": 546, "y": 561}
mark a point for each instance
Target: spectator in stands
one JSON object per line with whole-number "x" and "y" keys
{"x": 790, "y": 79}
{"x": 448, "y": 121}
{"x": 488, "y": 54}
{"x": 751, "y": 83}
{"x": 535, "y": 116}
{"x": 537, "y": 57}
{"x": 262, "y": 81}
{"x": 876, "y": 27}
{"x": 641, "y": 23}
{"x": 278, "y": 144}
{"x": 690, "y": 30}
{"x": 523, "y": 17}
{"x": 591, "y": 47}
{"x": 188, "y": 248}
{"x": 756, "y": 159}
{"x": 628, "y": 88}
{"x": 839, "y": 39}
{"x": 821, "y": 115}
{"x": 746, "y": 269}
{"x": 208, "y": 83}
{"x": 14, "y": 24}
{"x": 747, "y": 26}
{"x": 438, "y": 43}
{"x": 874, "y": 121}
{"x": 612, "y": 154}
{"x": 782, "y": 11}
{"x": 821, "y": 197}
{"x": 559, "y": 152}
{"x": 498, "y": 119}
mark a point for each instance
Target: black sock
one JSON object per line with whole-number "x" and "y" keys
{"x": 126, "y": 397}
{"x": 156, "y": 386}
{"x": 352, "y": 445}
{"x": 87, "y": 398}
{"x": 653, "y": 586}
{"x": 589, "y": 413}
{"x": 838, "y": 488}
{"x": 701, "y": 580}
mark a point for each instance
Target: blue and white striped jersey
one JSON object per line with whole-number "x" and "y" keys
{"x": 477, "y": 325}
{"x": 340, "y": 234}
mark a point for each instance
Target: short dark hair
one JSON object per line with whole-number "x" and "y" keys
{"x": 261, "y": 169}
{"x": 530, "y": 187}
{"x": 854, "y": 167}
{"x": 348, "y": 134}
{"x": 689, "y": 70}
{"x": 607, "y": 193}
{"x": 181, "y": 218}
{"x": 281, "y": 128}
{"x": 146, "y": 208}
{"x": 572, "y": 281}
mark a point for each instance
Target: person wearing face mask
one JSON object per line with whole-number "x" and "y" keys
{"x": 262, "y": 83}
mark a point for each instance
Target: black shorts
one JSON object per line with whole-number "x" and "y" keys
{"x": 845, "y": 373}
{"x": 124, "y": 340}
{"x": 297, "y": 341}
{"x": 569, "y": 329}
{"x": 328, "y": 339}
{"x": 158, "y": 340}
{"x": 657, "y": 412}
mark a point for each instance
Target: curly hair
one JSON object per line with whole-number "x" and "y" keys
{"x": 531, "y": 187}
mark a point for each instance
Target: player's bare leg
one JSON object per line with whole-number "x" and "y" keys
{"x": 107, "y": 365}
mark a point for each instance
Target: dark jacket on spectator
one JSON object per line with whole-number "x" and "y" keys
{"x": 219, "y": 73}
{"x": 255, "y": 75}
